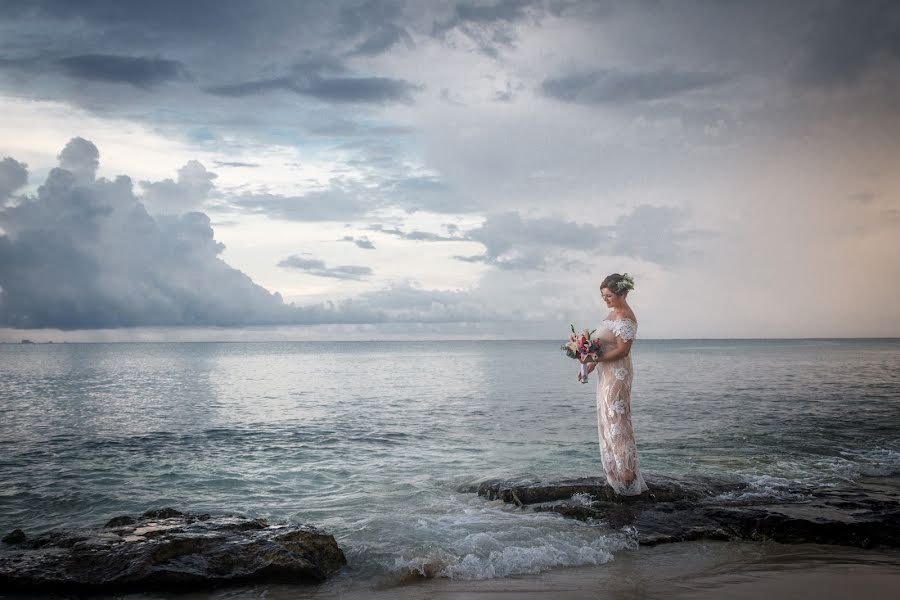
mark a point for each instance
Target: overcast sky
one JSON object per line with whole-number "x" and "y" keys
{"x": 303, "y": 170}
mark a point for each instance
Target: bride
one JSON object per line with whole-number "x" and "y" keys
{"x": 618, "y": 452}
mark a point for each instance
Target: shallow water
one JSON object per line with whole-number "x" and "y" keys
{"x": 371, "y": 440}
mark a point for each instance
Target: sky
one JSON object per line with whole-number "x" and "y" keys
{"x": 229, "y": 170}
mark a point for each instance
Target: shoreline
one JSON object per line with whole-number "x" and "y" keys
{"x": 684, "y": 570}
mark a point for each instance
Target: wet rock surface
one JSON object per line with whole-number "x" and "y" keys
{"x": 166, "y": 549}
{"x": 682, "y": 509}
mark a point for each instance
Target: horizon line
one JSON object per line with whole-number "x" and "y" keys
{"x": 27, "y": 342}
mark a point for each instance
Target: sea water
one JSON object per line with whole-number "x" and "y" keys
{"x": 372, "y": 440}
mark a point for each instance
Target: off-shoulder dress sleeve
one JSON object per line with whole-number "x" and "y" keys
{"x": 625, "y": 329}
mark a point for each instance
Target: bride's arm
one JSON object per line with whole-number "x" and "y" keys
{"x": 620, "y": 351}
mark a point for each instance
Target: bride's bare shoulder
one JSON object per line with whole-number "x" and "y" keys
{"x": 615, "y": 316}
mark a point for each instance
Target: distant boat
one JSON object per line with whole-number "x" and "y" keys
{"x": 27, "y": 342}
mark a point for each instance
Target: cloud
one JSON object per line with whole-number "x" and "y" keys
{"x": 13, "y": 175}
{"x": 80, "y": 158}
{"x": 402, "y": 302}
{"x": 846, "y": 39}
{"x": 415, "y": 235}
{"x": 489, "y": 25}
{"x": 382, "y": 40}
{"x": 347, "y": 199}
{"x": 188, "y": 193}
{"x": 139, "y": 71}
{"x": 612, "y": 86}
{"x": 84, "y": 253}
{"x": 338, "y": 203}
{"x": 220, "y": 163}
{"x": 317, "y": 267}
{"x": 362, "y": 242}
{"x": 375, "y": 90}
{"x": 651, "y": 233}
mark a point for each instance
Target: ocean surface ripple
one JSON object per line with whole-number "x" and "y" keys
{"x": 371, "y": 440}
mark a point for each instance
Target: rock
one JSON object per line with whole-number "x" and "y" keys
{"x": 167, "y": 549}
{"x": 682, "y": 509}
{"x": 15, "y": 536}
{"x": 119, "y": 521}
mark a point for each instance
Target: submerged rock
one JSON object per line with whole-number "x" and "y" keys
{"x": 167, "y": 549}
{"x": 682, "y": 509}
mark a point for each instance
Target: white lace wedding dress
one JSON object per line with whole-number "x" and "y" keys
{"x": 618, "y": 451}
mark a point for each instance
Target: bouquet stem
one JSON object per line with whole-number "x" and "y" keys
{"x": 583, "y": 373}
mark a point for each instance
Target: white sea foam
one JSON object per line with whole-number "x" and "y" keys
{"x": 528, "y": 558}
{"x": 467, "y": 537}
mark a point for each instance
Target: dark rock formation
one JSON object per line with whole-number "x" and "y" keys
{"x": 675, "y": 510}
{"x": 166, "y": 549}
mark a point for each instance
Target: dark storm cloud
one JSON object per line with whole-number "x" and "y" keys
{"x": 377, "y": 90}
{"x": 488, "y": 25}
{"x": 610, "y": 86}
{"x": 13, "y": 175}
{"x": 139, "y": 71}
{"x": 314, "y": 266}
{"x": 197, "y": 16}
{"x": 383, "y": 40}
{"x": 374, "y": 25}
{"x": 467, "y": 14}
{"x": 845, "y": 39}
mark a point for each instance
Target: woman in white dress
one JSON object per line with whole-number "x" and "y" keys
{"x": 618, "y": 451}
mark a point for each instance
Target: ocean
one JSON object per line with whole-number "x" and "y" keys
{"x": 372, "y": 441}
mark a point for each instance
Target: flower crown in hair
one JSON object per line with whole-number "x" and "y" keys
{"x": 626, "y": 283}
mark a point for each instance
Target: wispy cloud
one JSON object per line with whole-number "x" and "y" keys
{"x": 314, "y": 266}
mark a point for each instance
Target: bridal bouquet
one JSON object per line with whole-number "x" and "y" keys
{"x": 581, "y": 346}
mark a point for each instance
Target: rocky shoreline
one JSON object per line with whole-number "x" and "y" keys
{"x": 683, "y": 509}
{"x": 166, "y": 549}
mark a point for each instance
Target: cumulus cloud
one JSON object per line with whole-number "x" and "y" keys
{"x": 187, "y": 193}
{"x": 13, "y": 175}
{"x": 314, "y": 266}
{"x": 80, "y": 158}
{"x": 84, "y": 253}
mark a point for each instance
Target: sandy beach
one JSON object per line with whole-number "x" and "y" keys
{"x": 689, "y": 570}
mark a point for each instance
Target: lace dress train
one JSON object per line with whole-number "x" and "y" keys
{"x": 618, "y": 451}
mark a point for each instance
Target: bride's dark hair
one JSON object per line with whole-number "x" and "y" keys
{"x": 612, "y": 284}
